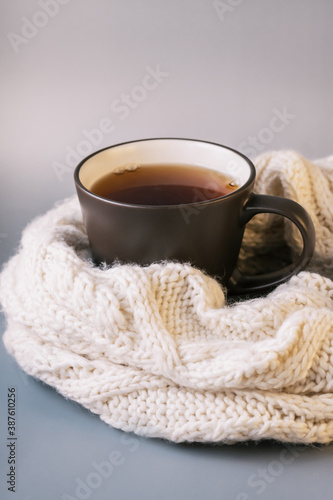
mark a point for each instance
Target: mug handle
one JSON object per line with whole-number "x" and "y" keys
{"x": 260, "y": 203}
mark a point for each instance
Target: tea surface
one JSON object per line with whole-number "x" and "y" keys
{"x": 163, "y": 184}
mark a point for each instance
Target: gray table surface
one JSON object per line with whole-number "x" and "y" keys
{"x": 226, "y": 69}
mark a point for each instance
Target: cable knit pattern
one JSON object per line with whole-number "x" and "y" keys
{"x": 159, "y": 350}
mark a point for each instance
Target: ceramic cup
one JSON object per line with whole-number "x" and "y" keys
{"x": 205, "y": 233}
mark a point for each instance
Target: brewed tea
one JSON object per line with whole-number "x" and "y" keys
{"x": 163, "y": 184}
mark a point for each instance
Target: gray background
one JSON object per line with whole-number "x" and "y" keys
{"x": 227, "y": 71}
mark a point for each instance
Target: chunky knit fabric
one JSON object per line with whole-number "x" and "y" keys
{"x": 159, "y": 350}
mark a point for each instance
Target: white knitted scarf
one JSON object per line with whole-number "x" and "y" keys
{"x": 159, "y": 350}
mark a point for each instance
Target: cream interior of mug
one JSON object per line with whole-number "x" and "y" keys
{"x": 165, "y": 151}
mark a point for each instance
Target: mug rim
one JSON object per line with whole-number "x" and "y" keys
{"x": 239, "y": 190}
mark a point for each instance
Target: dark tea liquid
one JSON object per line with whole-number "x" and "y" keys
{"x": 163, "y": 184}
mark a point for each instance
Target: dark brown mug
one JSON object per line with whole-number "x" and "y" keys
{"x": 206, "y": 233}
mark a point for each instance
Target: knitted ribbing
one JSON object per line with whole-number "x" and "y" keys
{"x": 159, "y": 351}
